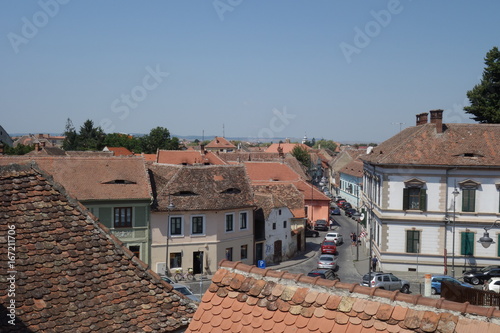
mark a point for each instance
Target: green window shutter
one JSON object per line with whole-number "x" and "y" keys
{"x": 498, "y": 245}
{"x": 105, "y": 216}
{"x": 140, "y": 217}
{"x": 423, "y": 199}
{"x": 406, "y": 199}
{"x": 467, "y": 242}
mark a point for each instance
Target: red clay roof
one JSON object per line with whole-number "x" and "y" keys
{"x": 188, "y": 157}
{"x": 119, "y": 151}
{"x": 94, "y": 178}
{"x": 458, "y": 144}
{"x": 287, "y": 147}
{"x": 354, "y": 168}
{"x": 71, "y": 274}
{"x": 270, "y": 171}
{"x": 245, "y": 298}
{"x": 220, "y": 143}
{"x": 271, "y": 196}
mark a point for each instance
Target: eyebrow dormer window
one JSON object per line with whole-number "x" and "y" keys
{"x": 185, "y": 193}
{"x": 120, "y": 181}
{"x": 231, "y": 190}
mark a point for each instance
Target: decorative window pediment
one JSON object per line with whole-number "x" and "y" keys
{"x": 414, "y": 182}
{"x": 469, "y": 184}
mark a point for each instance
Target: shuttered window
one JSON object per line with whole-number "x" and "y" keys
{"x": 467, "y": 244}
{"x": 414, "y": 198}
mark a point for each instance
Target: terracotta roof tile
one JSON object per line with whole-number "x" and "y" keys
{"x": 72, "y": 275}
{"x": 343, "y": 308}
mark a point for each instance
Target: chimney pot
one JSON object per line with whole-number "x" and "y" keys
{"x": 437, "y": 119}
{"x": 422, "y": 118}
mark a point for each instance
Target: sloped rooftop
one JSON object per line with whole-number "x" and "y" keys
{"x": 94, "y": 177}
{"x": 72, "y": 275}
{"x": 458, "y": 144}
{"x": 245, "y": 298}
{"x": 211, "y": 187}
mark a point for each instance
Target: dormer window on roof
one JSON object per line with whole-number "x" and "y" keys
{"x": 185, "y": 193}
{"x": 120, "y": 181}
{"x": 231, "y": 190}
{"x": 472, "y": 155}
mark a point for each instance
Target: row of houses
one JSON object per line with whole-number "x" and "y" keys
{"x": 190, "y": 209}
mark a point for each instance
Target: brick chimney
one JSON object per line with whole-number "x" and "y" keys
{"x": 437, "y": 119}
{"x": 422, "y": 118}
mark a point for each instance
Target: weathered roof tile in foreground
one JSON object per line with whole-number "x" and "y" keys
{"x": 71, "y": 274}
{"x": 296, "y": 303}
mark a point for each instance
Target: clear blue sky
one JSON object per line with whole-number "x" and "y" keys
{"x": 341, "y": 70}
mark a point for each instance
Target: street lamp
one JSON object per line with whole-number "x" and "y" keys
{"x": 170, "y": 207}
{"x": 357, "y": 216}
{"x": 455, "y": 194}
{"x": 486, "y": 240}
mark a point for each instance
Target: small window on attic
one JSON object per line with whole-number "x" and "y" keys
{"x": 120, "y": 181}
{"x": 231, "y": 190}
{"x": 470, "y": 155}
{"x": 184, "y": 193}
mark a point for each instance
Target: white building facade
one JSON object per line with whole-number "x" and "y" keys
{"x": 429, "y": 193}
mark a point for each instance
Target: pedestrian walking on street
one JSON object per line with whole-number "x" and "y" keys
{"x": 374, "y": 264}
{"x": 354, "y": 239}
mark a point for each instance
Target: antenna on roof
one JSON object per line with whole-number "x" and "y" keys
{"x": 223, "y": 132}
{"x": 399, "y": 125}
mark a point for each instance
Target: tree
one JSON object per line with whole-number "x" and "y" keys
{"x": 158, "y": 138}
{"x": 326, "y": 144}
{"x": 90, "y": 137}
{"x": 485, "y": 96}
{"x": 70, "y": 136}
{"x": 123, "y": 140}
{"x": 302, "y": 155}
{"x": 20, "y": 149}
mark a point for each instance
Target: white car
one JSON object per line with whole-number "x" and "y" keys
{"x": 334, "y": 236}
{"x": 492, "y": 284}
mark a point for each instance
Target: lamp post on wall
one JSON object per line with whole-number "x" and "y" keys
{"x": 486, "y": 240}
{"x": 170, "y": 207}
{"x": 455, "y": 194}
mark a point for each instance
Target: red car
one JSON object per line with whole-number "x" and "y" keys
{"x": 328, "y": 247}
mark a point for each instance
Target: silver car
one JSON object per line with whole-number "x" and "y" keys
{"x": 385, "y": 281}
{"x": 328, "y": 261}
{"x": 186, "y": 292}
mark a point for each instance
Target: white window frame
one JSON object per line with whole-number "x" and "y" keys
{"x": 203, "y": 232}
{"x": 246, "y": 222}
{"x": 170, "y": 226}
{"x": 225, "y": 222}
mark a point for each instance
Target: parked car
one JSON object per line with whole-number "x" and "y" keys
{"x": 386, "y": 281}
{"x": 336, "y": 211}
{"x": 167, "y": 279}
{"x": 350, "y": 212}
{"x": 335, "y": 236}
{"x": 492, "y": 284}
{"x": 311, "y": 233}
{"x": 477, "y": 276}
{"x": 328, "y": 247}
{"x": 327, "y": 261}
{"x": 321, "y": 225}
{"x": 186, "y": 291}
{"x": 324, "y": 274}
{"x": 346, "y": 206}
{"x": 437, "y": 279}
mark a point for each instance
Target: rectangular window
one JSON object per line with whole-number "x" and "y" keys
{"x": 175, "y": 260}
{"x": 136, "y": 250}
{"x": 467, "y": 248}
{"x": 229, "y": 253}
{"x": 243, "y": 220}
{"x": 123, "y": 217}
{"x": 244, "y": 252}
{"x": 229, "y": 222}
{"x": 274, "y": 225}
{"x": 175, "y": 226}
{"x": 414, "y": 198}
{"x": 197, "y": 225}
{"x": 498, "y": 245}
{"x": 412, "y": 241}
{"x": 284, "y": 224}
{"x": 469, "y": 200}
